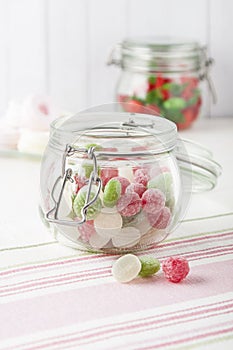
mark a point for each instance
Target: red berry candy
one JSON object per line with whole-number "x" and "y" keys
{"x": 123, "y": 181}
{"x": 153, "y": 201}
{"x": 141, "y": 176}
{"x": 175, "y": 269}
{"x": 80, "y": 182}
{"x": 160, "y": 220}
{"x": 137, "y": 188}
{"x": 133, "y": 106}
{"x": 129, "y": 204}
{"x": 107, "y": 174}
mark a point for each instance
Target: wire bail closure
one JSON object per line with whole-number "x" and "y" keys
{"x": 52, "y": 215}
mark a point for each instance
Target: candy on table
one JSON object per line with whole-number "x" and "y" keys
{"x": 150, "y": 266}
{"x": 126, "y": 237}
{"x": 153, "y": 201}
{"x": 129, "y": 204}
{"x": 175, "y": 268}
{"x": 123, "y": 181}
{"x": 107, "y": 174}
{"x": 160, "y": 220}
{"x": 107, "y": 224}
{"x": 112, "y": 192}
{"x": 86, "y": 230}
{"x": 126, "y": 268}
{"x": 137, "y": 188}
{"x": 79, "y": 203}
{"x": 97, "y": 241}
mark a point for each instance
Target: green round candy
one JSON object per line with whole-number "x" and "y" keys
{"x": 112, "y": 193}
{"x": 149, "y": 267}
{"x": 164, "y": 183}
{"x": 174, "y": 103}
{"x": 79, "y": 203}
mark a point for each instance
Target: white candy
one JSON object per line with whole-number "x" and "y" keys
{"x": 108, "y": 224}
{"x": 126, "y": 237}
{"x": 142, "y": 224}
{"x": 126, "y": 268}
{"x": 97, "y": 241}
{"x": 127, "y": 172}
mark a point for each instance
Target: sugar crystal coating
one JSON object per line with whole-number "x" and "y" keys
{"x": 129, "y": 204}
{"x": 161, "y": 220}
{"x": 126, "y": 268}
{"x": 175, "y": 268}
{"x": 137, "y": 188}
{"x": 150, "y": 266}
{"x": 123, "y": 181}
{"x": 112, "y": 192}
{"x": 153, "y": 200}
{"x": 80, "y": 200}
{"x": 107, "y": 174}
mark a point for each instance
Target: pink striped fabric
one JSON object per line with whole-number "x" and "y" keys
{"x": 74, "y": 303}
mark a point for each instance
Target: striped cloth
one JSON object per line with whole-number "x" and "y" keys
{"x": 53, "y": 297}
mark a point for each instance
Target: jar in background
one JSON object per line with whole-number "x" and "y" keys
{"x": 115, "y": 182}
{"x": 162, "y": 76}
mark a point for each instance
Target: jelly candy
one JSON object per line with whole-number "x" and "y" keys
{"x": 153, "y": 201}
{"x": 126, "y": 237}
{"x": 137, "y": 188}
{"x": 161, "y": 220}
{"x": 97, "y": 241}
{"x": 79, "y": 203}
{"x": 123, "y": 181}
{"x": 150, "y": 266}
{"x": 129, "y": 204}
{"x": 108, "y": 224}
{"x": 112, "y": 192}
{"x": 175, "y": 269}
{"x": 107, "y": 174}
{"x": 126, "y": 268}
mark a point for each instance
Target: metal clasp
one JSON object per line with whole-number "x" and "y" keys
{"x": 206, "y": 76}
{"x": 52, "y": 215}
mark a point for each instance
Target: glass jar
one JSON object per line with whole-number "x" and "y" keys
{"x": 162, "y": 76}
{"x": 116, "y": 182}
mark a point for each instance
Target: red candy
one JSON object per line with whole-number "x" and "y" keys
{"x": 175, "y": 269}
{"x": 129, "y": 204}
{"x": 141, "y": 176}
{"x": 124, "y": 183}
{"x": 86, "y": 230}
{"x": 107, "y": 174}
{"x": 153, "y": 201}
{"x": 80, "y": 182}
{"x": 137, "y": 188}
{"x": 160, "y": 220}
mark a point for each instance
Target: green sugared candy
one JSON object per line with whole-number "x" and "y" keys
{"x": 88, "y": 168}
{"x": 150, "y": 266}
{"x": 174, "y": 103}
{"x": 112, "y": 193}
{"x": 163, "y": 182}
{"x": 79, "y": 203}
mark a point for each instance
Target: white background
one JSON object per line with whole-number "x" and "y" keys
{"x": 60, "y": 47}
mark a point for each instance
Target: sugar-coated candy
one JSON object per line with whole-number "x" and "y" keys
{"x": 137, "y": 188}
{"x": 163, "y": 182}
{"x": 175, "y": 268}
{"x": 160, "y": 220}
{"x": 79, "y": 203}
{"x": 107, "y": 174}
{"x": 141, "y": 177}
{"x": 153, "y": 201}
{"x": 129, "y": 204}
{"x": 126, "y": 268}
{"x": 141, "y": 223}
{"x": 126, "y": 237}
{"x": 80, "y": 181}
{"x": 86, "y": 230}
{"x": 112, "y": 192}
{"x": 108, "y": 224}
{"x": 150, "y": 266}
{"x": 123, "y": 181}
{"x": 97, "y": 241}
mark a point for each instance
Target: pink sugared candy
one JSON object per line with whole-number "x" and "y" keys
{"x": 161, "y": 219}
{"x": 86, "y": 230}
{"x": 153, "y": 201}
{"x": 175, "y": 268}
{"x": 107, "y": 174}
{"x": 129, "y": 204}
{"x": 137, "y": 188}
{"x": 80, "y": 182}
{"x": 123, "y": 181}
{"x": 141, "y": 176}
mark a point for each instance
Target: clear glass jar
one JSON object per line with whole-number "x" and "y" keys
{"x": 162, "y": 76}
{"x": 111, "y": 181}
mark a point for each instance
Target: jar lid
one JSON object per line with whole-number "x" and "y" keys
{"x": 160, "y": 54}
{"x": 115, "y": 133}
